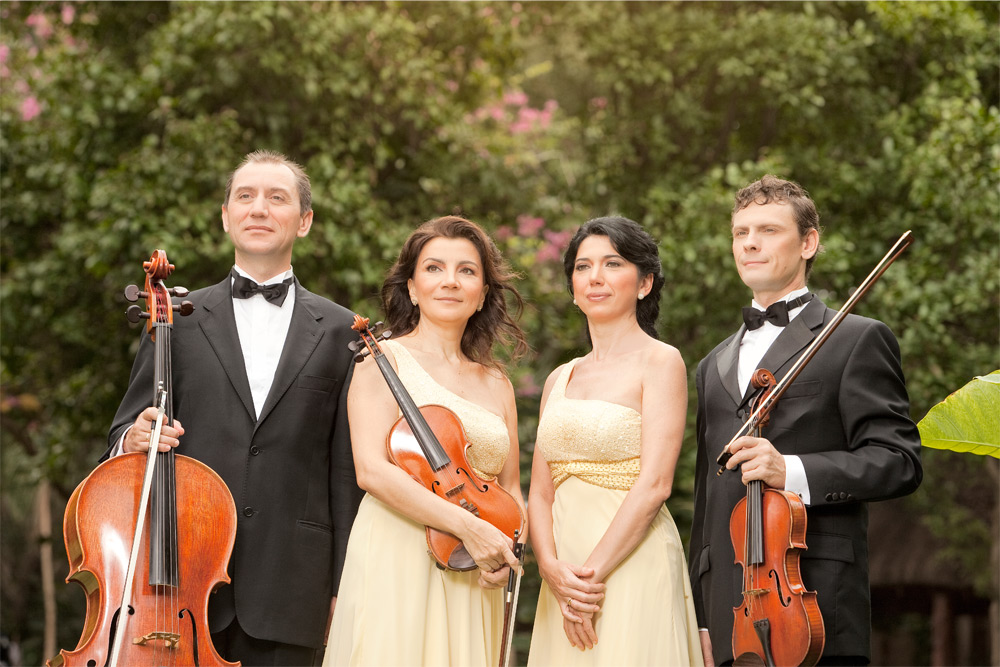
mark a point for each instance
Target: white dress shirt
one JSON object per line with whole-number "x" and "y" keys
{"x": 262, "y": 327}
{"x": 753, "y": 347}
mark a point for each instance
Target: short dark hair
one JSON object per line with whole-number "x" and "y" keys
{"x": 487, "y": 327}
{"x": 633, "y": 243}
{"x": 273, "y": 157}
{"x": 771, "y": 189}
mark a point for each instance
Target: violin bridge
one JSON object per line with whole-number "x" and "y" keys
{"x": 757, "y": 591}
{"x": 171, "y": 639}
{"x": 455, "y": 489}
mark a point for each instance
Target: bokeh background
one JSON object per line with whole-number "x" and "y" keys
{"x": 120, "y": 121}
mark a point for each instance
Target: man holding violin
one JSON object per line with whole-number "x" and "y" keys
{"x": 840, "y": 437}
{"x": 260, "y": 375}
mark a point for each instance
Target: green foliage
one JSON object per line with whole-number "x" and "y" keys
{"x": 119, "y": 123}
{"x": 967, "y": 420}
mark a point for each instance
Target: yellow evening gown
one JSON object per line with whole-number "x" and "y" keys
{"x": 395, "y": 606}
{"x": 647, "y": 616}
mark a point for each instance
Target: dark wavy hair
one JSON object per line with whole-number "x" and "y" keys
{"x": 771, "y": 189}
{"x": 633, "y": 243}
{"x": 487, "y": 327}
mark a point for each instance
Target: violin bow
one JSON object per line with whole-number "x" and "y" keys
{"x": 510, "y": 604}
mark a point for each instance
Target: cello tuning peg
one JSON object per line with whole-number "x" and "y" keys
{"x": 177, "y": 290}
{"x": 185, "y": 308}
{"x": 134, "y": 314}
{"x": 133, "y": 293}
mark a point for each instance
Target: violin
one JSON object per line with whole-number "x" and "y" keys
{"x": 430, "y": 444}
{"x": 774, "y": 595}
{"x": 779, "y": 621}
{"x": 149, "y": 536}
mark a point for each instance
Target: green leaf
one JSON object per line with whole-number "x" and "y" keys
{"x": 968, "y": 420}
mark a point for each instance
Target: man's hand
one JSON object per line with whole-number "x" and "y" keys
{"x": 760, "y": 460}
{"x": 137, "y": 438}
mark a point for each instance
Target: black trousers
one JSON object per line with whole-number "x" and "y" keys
{"x": 234, "y": 644}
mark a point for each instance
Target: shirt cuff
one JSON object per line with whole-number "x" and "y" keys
{"x": 119, "y": 447}
{"x": 795, "y": 477}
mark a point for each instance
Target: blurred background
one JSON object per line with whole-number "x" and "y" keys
{"x": 120, "y": 121}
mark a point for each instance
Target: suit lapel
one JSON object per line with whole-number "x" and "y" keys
{"x": 304, "y": 334}
{"x": 797, "y": 335}
{"x": 727, "y": 363}
{"x": 219, "y": 326}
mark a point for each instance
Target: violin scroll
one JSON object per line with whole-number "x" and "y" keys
{"x": 363, "y": 347}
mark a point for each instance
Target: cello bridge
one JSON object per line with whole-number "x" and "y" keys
{"x": 170, "y": 638}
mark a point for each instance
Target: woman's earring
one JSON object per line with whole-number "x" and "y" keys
{"x": 641, "y": 296}
{"x": 413, "y": 300}
{"x": 574, "y": 302}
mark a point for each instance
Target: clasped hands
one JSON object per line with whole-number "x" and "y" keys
{"x": 579, "y": 595}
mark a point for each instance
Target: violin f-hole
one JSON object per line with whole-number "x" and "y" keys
{"x": 777, "y": 584}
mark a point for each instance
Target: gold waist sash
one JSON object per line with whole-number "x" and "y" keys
{"x": 620, "y": 475}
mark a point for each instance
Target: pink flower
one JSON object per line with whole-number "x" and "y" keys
{"x": 529, "y": 226}
{"x": 68, "y": 12}
{"x": 30, "y": 108}
{"x": 599, "y": 102}
{"x": 548, "y": 253}
{"x": 40, "y": 23}
{"x": 526, "y": 386}
{"x": 451, "y": 85}
{"x": 4, "y": 53}
{"x": 558, "y": 239}
{"x": 503, "y": 232}
{"x": 515, "y": 98}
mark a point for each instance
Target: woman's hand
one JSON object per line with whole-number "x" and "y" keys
{"x": 581, "y": 635}
{"x": 495, "y": 579}
{"x": 488, "y": 546}
{"x": 573, "y": 588}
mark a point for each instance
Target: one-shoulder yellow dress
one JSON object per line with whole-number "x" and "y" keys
{"x": 647, "y": 615}
{"x": 395, "y": 607}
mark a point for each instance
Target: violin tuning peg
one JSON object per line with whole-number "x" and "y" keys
{"x": 353, "y": 346}
{"x": 360, "y": 356}
{"x": 177, "y": 290}
{"x": 135, "y": 314}
{"x": 185, "y": 308}
{"x": 385, "y": 335}
{"x": 132, "y": 293}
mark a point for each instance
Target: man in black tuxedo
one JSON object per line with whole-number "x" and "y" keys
{"x": 260, "y": 375}
{"x": 841, "y": 435}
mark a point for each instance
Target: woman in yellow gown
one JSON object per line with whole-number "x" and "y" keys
{"x": 445, "y": 302}
{"x": 615, "y": 588}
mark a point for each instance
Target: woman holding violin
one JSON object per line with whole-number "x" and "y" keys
{"x": 445, "y": 303}
{"x": 615, "y": 588}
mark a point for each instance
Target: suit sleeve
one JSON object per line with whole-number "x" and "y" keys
{"x": 697, "y": 541}
{"x": 345, "y": 495}
{"x": 139, "y": 395}
{"x": 881, "y": 456}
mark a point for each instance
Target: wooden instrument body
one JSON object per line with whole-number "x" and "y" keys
{"x": 457, "y": 483}
{"x": 773, "y": 589}
{"x": 98, "y": 525}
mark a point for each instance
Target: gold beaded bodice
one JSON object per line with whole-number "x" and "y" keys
{"x": 486, "y": 430}
{"x": 597, "y": 441}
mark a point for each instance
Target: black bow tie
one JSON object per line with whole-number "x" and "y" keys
{"x": 776, "y": 313}
{"x": 244, "y": 288}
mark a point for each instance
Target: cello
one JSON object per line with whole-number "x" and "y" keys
{"x": 429, "y": 443}
{"x": 148, "y": 536}
{"x": 779, "y": 621}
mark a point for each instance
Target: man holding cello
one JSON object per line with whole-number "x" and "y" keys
{"x": 260, "y": 375}
{"x": 840, "y": 437}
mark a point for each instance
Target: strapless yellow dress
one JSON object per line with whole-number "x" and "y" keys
{"x": 647, "y": 616}
{"x": 395, "y": 607}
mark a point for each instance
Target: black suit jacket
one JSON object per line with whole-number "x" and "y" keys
{"x": 847, "y": 417}
{"x": 291, "y": 472}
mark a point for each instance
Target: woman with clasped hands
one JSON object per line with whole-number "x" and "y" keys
{"x": 615, "y": 590}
